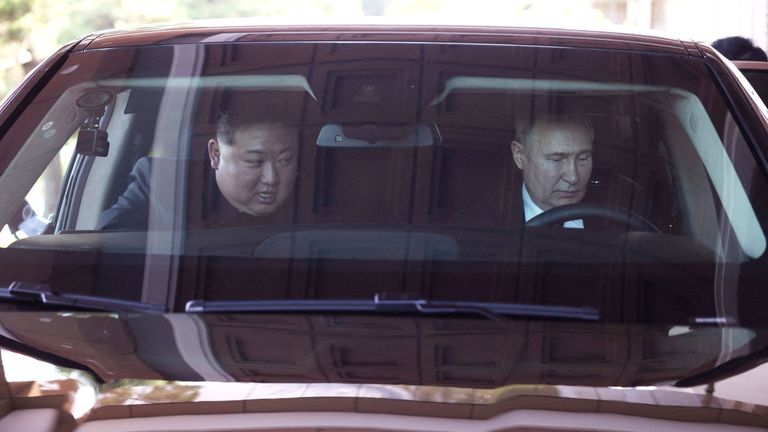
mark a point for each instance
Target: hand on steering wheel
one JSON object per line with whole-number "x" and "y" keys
{"x": 556, "y": 216}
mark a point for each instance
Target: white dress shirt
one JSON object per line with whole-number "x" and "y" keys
{"x": 532, "y": 210}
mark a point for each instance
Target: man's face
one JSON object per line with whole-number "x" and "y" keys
{"x": 556, "y": 164}
{"x": 257, "y": 170}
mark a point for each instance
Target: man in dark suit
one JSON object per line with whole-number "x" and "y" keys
{"x": 254, "y": 164}
{"x": 555, "y": 157}
{"x": 131, "y": 211}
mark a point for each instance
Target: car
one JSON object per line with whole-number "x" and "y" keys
{"x": 754, "y": 72}
{"x": 242, "y": 227}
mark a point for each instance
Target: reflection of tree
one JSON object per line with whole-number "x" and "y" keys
{"x": 511, "y": 391}
{"x": 443, "y": 394}
{"x": 126, "y": 392}
{"x": 457, "y": 394}
{"x": 375, "y": 7}
{"x": 421, "y": 393}
{"x": 30, "y": 30}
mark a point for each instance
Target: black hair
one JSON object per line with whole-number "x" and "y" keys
{"x": 739, "y": 48}
{"x": 256, "y": 108}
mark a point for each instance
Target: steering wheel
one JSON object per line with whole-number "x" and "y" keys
{"x": 559, "y": 215}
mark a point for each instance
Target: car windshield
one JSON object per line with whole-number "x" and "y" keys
{"x": 567, "y": 183}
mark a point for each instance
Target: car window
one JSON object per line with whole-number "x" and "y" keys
{"x": 619, "y": 181}
{"x": 759, "y": 81}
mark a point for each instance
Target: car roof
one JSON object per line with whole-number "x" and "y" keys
{"x": 744, "y": 65}
{"x": 236, "y": 31}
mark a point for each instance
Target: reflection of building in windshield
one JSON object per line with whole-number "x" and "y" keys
{"x": 440, "y": 362}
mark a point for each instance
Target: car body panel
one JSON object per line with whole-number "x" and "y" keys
{"x": 448, "y": 352}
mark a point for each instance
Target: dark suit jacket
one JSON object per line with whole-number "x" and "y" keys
{"x": 131, "y": 211}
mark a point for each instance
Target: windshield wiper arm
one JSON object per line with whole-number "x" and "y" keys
{"x": 379, "y": 305}
{"x": 728, "y": 369}
{"x": 41, "y": 294}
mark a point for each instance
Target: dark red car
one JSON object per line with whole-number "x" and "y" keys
{"x": 384, "y": 228}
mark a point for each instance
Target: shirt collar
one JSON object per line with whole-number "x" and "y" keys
{"x": 530, "y": 207}
{"x": 532, "y": 210}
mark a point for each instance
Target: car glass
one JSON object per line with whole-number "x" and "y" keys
{"x": 759, "y": 82}
{"x": 617, "y": 181}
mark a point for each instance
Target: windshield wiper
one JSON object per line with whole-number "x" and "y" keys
{"x": 728, "y": 369}
{"x": 385, "y": 306}
{"x": 41, "y": 294}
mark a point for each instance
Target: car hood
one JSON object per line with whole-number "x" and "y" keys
{"x": 353, "y": 371}
{"x": 372, "y": 349}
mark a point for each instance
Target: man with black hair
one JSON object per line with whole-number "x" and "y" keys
{"x": 254, "y": 163}
{"x": 739, "y": 48}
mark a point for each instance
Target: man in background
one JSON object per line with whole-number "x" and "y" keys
{"x": 739, "y": 48}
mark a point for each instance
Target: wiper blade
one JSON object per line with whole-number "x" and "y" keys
{"x": 379, "y": 305}
{"x": 728, "y": 369}
{"x": 41, "y": 294}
